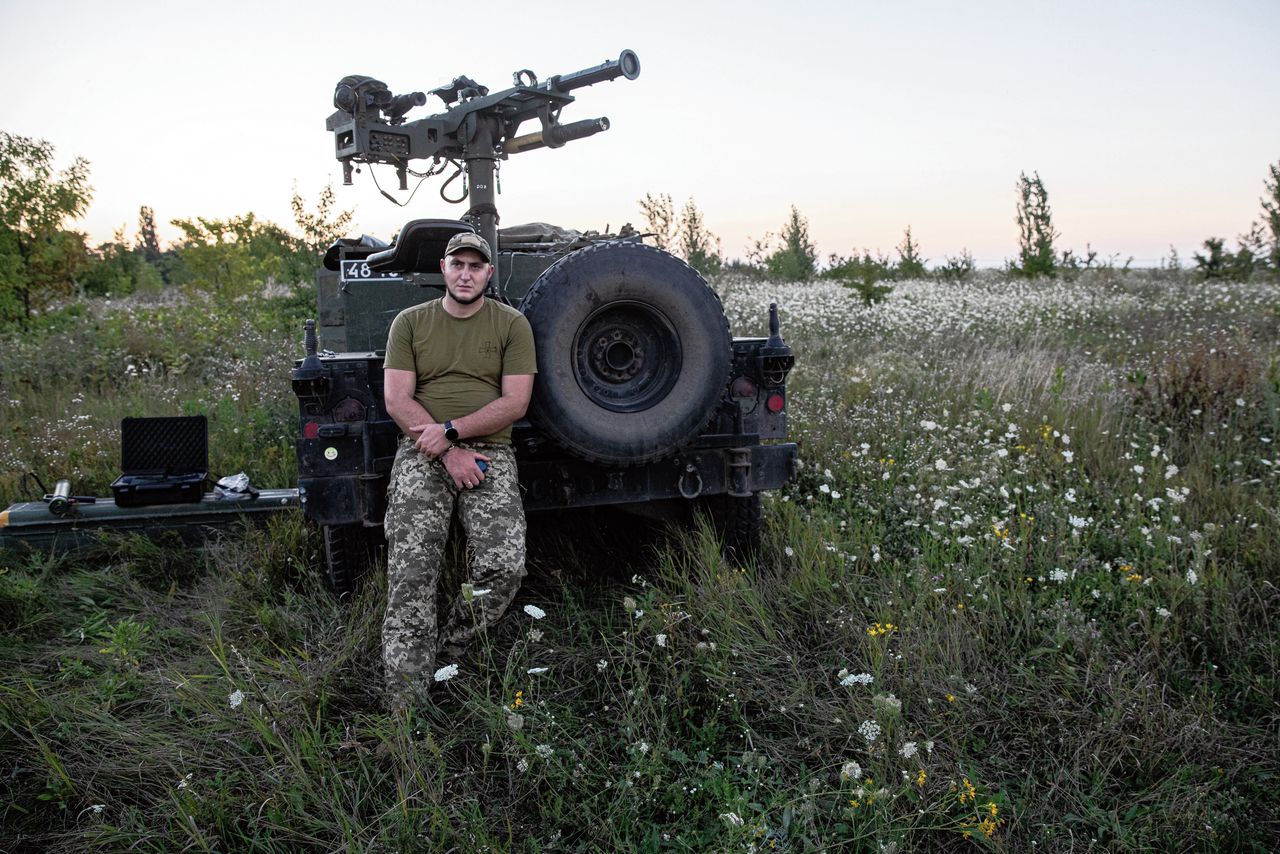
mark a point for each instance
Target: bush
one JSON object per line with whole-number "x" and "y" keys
{"x": 794, "y": 258}
{"x": 911, "y": 264}
{"x": 862, "y": 274}
{"x": 1035, "y": 229}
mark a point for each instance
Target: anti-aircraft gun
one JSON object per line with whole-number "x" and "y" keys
{"x": 642, "y": 399}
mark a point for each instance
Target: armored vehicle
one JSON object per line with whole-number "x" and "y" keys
{"x": 643, "y": 399}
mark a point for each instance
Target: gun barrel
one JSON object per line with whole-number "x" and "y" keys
{"x": 626, "y": 65}
{"x": 556, "y": 136}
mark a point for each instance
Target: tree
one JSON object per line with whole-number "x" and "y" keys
{"x": 236, "y": 254}
{"x": 1035, "y": 229}
{"x": 911, "y": 264}
{"x": 116, "y": 268}
{"x": 148, "y": 239}
{"x": 38, "y": 257}
{"x": 660, "y": 215}
{"x": 686, "y": 235}
{"x": 320, "y": 229}
{"x": 696, "y": 243}
{"x": 1270, "y": 225}
{"x": 796, "y": 259}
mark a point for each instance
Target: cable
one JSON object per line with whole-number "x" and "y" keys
{"x": 390, "y": 197}
{"x": 453, "y": 178}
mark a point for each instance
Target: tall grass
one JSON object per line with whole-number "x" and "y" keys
{"x": 1022, "y": 596}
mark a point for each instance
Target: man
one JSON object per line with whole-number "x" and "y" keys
{"x": 458, "y": 371}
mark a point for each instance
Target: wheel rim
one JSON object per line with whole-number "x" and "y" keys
{"x": 627, "y": 356}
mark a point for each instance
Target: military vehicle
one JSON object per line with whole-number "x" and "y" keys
{"x": 643, "y": 399}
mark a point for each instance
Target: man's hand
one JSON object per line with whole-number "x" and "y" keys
{"x": 461, "y": 464}
{"x": 431, "y": 440}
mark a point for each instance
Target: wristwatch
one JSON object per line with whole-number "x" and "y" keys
{"x": 450, "y": 432}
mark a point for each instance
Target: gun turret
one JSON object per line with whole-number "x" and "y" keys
{"x": 369, "y": 125}
{"x": 477, "y": 128}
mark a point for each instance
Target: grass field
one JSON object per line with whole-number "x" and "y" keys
{"x": 1023, "y": 597}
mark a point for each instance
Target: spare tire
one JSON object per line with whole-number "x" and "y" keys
{"x": 633, "y": 352}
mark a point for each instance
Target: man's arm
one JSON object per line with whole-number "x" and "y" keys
{"x": 409, "y": 415}
{"x": 490, "y": 418}
{"x": 501, "y": 412}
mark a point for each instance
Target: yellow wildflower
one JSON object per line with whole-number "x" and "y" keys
{"x": 921, "y": 777}
{"x": 519, "y": 700}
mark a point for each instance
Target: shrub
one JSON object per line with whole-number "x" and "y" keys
{"x": 862, "y": 274}
{"x": 911, "y": 264}
{"x": 957, "y": 268}
{"x": 794, "y": 259}
{"x": 1035, "y": 229}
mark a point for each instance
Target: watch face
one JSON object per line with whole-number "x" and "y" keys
{"x": 450, "y": 432}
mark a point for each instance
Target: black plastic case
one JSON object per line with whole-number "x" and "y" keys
{"x": 164, "y": 460}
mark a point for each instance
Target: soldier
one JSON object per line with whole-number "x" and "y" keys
{"x": 458, "y": 371}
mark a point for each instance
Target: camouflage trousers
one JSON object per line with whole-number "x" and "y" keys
{"x": 421, "y": 500}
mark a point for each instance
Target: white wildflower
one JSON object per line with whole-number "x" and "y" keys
{"x": 1068, "y": 455}
{"x": 1192, "y": 577}
{"x": 643, "y": 747}
{"x": 825, "y": 489}
{"x": 908, "y": 750}
{"x": 544, "y": 750}
{"x": 1164, "y": 613}
{"x": 870, "y": 730}
{"x": 941, "y": 465}
{"x": 1078, "y": 522}
{"x": 789, "y": 552}
{"x": 661, "y": 638}
{"x": 851, "y": 771}
{"x": 628, "y": 604}
{"x": 857, "y": 679}
{"x": 887, "y": 704}
{"x": 732, "y": 819}
{"x": 523, "y": 765}
{"x": 929, "y": 425}
{"x": 534, "y": 635}
{"x": 1070, "y": 496}
{"x": 535, "y": 671}
{"x": 1059, "y": 575}
{"x": 444, "y": 674}
{"x": 236, "y": 698}
{"x": 535, "y": 612}
{"x": 602, "y": 665}
{"x": 1138, "y": 468}
{"x": 1170, "y": 470}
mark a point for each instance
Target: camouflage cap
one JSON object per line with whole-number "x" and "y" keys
{"x": 469, "y": 240}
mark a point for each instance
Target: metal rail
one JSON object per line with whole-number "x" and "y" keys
{"x": 32, "y": 525}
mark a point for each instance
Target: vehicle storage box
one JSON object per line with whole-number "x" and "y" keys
{"x": 163, "y": 460}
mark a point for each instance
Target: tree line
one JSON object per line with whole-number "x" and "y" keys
{"x": 44, "y": 260}
{"x": 791, "y": 255}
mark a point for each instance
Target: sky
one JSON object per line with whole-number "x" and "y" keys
{"x": 1151, "y": 124}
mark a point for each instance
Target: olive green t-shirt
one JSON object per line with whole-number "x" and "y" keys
{"x": 460, "y": 362}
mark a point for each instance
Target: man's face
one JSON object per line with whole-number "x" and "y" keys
{"x": 465, "y": 275}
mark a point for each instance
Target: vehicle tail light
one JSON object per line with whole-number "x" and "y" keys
{"x": 775, "y": 403}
